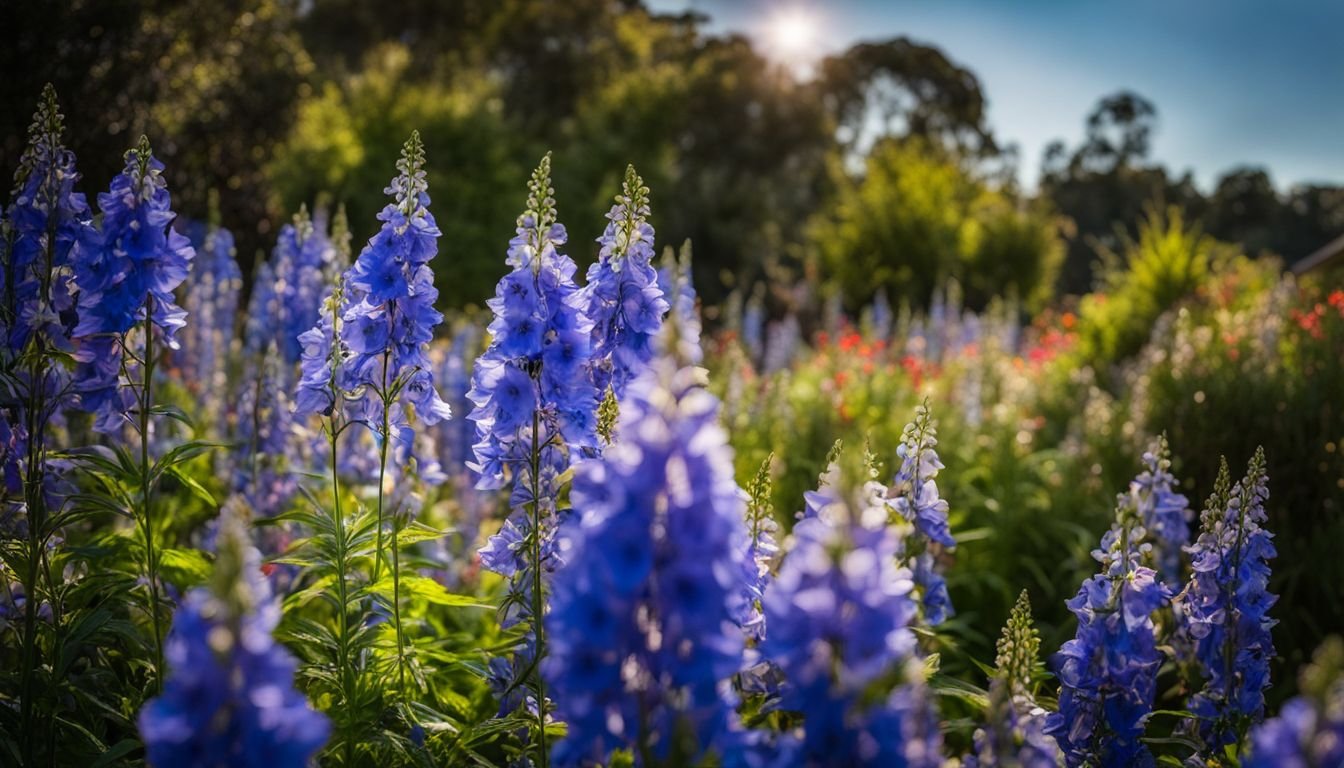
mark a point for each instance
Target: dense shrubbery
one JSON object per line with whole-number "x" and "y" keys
{"x": 557, "y": 539}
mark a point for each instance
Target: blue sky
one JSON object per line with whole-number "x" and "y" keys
{"x": 1235, "y": 82}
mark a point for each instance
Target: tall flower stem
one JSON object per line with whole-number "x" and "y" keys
{"x": 34, "y": 496}
{"x": 345, "y": 669}
{"x": 385, "y": 395}
{"x": 538, "y": 600}
{"x": 147, "y": 496}
{"x": 35, "y": 504}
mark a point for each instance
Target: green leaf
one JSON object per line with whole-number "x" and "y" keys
{"x": 185, "y": 567}
{"x": 427, "y": 589}
{"x": 196, "y": 488}
{"x": 115, "y": 753}
{"x": 417, "y": 532}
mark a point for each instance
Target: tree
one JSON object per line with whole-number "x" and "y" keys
{"x": 349, "y": 134}
{"x": 212, "y": 84}
{"x": 910, "y": 89}
{"x": 918, "y": 216}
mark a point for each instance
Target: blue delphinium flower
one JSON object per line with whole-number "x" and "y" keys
{"x": 263, "y": 465}
{"x": 914, "y": 498}
{"x": 390, "y": 316}
{"x": 45, "y": 219}
{"x": 827, "y": 493}
{"x": 212, "y": 303}
{"x": 229, "y": 699}
{"x": 300, "y": 264}
{"x": 535, "y": 407}
{"x": 1014, "y": 734}
{"x": 540, "y": 341}
{"x": 1223, "y": 614}
{"x": 1164, "y": 512}
{"x": 762, "y": 550}
{"x": 684, "y": 301}
{"x": 642, "y": 631}
{"x": 840, "y": 614}
{"x": 454, "y": 439}
{"x": 1309, "y": 730}
{"x": 126, "y": 274}
{"x": 1108, "y": 672}
{"x": 622, "y": 297}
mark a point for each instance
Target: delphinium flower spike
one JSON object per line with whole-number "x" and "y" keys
{"x": 535, "y": 412}
{"x": 643, "y": 632}
{"x": 676, "y": 278}
{"x": 211, "y": 302}
{"x": 1014, "y": 732}
{"x": 38, "y": 231}
{"x": 388, "y": 323}
{"x": 1108, "y": 672}
{"x": 1223, "y": 614}
{"x": 125, "y": 274}
{"x": 303, "y": 256}
{"x": 762, "y": 548}
{"x": 914, "y": 498}
{"x": 1164, "y": 512}
{"x": 839, "y": 614}
{"x": 45, "y": 218}
{"x": 622, "y": 296}
{"x": 262, "y": 465}
{"x": 230, "y": 698}
{"x": 828, "y": 491}
{"x": 1309, "y": 730}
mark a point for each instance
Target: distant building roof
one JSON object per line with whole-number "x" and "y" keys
{"x": 1331, "y": 251}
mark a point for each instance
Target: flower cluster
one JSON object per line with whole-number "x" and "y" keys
{"x": 1224, "y": 610}
{"x": 302, "y": 259}
{"x": 230, "y": 700}
{"x": 535, "y": 411}
{"x": 622, "y": 296}
{"x": 390, "y": 316}
{"x": 1108, "y": 671}
{"x": 126, "y": 273}
{"x": 527, "y": 387}
{"x": 321, "y": 358}
{"x": 262, "y": 471}
{"x": 914, "y": 498}
{"x": 1015, "y": 730}
{"x": 761, "y": 553}
{"x": 840, "y": 614}
{"x": 676, "y": 279}
{"x": 212, "y": 303}
{"x": 1309, "y": 730}
{"x": 827, "y": 493}
{"x": 643, "y": 626}
{"x": 44, "y": 221}
{"x": 1165, "y": 514}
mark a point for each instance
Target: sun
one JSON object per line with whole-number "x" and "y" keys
{"x": 792, "y": 33}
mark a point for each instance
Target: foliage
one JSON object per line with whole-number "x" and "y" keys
{"x": 347, "y": 132}
{"x": 1167, "y": 262}
{"x": 917, "y": 217}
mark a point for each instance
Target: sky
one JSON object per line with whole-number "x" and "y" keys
{"x": 1235, "y": 82}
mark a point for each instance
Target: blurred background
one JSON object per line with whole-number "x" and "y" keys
{"x": 1071, "y": 226}
{"x": 999, "y": 146}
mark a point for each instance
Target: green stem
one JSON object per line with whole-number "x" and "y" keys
{"x": 147, "y": 497}
{"x": 538, "y": 600}
{"x": 396, "y": 554}
{"x": 33, "y": 495}
{"x": 342, "y": 595}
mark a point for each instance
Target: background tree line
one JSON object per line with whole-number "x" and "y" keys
{"x": 881, "y": 166}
